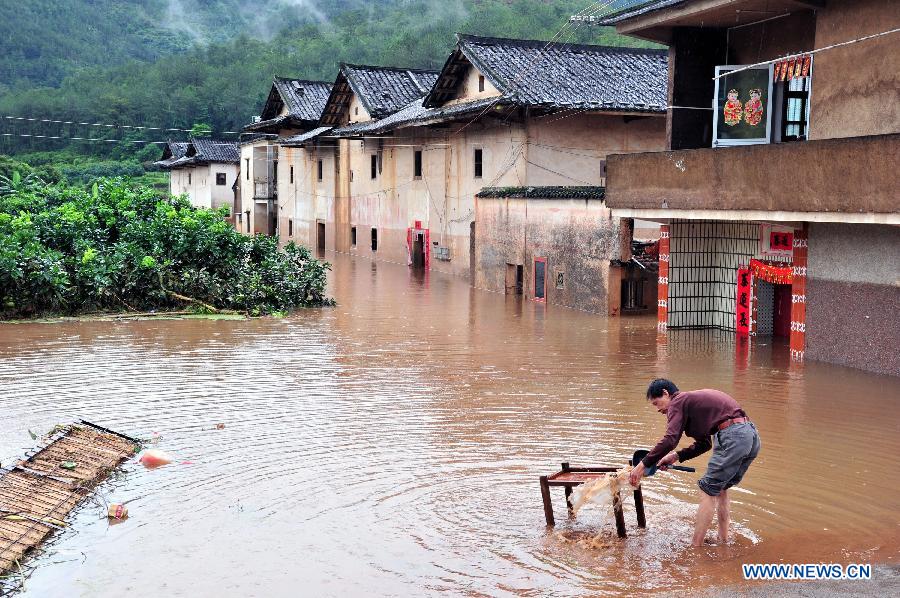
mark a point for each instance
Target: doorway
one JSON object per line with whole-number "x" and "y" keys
{"x": 781, "y": 312}
{"x": 419, "y": 251}
{"x": 514, "y": 279}
{"x": 540, "y": 279}
{"x": 320, "y": 237}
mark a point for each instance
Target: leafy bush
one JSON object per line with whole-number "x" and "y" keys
{"x": 119, "y": 246}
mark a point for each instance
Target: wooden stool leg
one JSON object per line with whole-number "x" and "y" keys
{"x": 620, "y": 515}
{"x": 639, "y": 507}
{"x": 568, "y": 491}
{"x": 545, "y": 495}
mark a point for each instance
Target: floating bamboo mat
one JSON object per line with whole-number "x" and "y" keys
{"x": 38, "y": 493}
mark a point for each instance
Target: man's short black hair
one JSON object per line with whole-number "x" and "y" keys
{"x": 656, "y": 388}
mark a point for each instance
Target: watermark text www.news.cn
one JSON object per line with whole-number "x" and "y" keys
{"x": 807, "y": 571}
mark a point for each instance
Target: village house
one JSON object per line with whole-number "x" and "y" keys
{"x": 332, "y": 174}
{"x": 501, "y": 113}
{"x": 778, "y": 195}
{"x": 203, "y": 169}
{"x": 292, "y": 107}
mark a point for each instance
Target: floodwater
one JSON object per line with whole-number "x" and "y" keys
{"x": 392, "y": 446}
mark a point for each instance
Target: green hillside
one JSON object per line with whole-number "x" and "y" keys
{"x": 137, "y": 64}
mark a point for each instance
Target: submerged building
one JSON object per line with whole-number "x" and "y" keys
{"x": 777, "y": 194}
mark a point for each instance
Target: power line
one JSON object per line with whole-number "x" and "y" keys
{"x": 108, "y": 125}
{"x": 81, "y": 138}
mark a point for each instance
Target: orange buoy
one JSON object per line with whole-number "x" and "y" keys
{"x": 153, "y": 458}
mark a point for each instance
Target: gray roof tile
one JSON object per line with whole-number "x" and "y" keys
{"x": 536, "y": 73}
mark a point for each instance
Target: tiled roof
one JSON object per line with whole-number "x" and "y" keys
{"x": 381, "y": 90}
{"x": 416, "y": 114}
{"x": 536, "y": 73}
{"x": 173, "y": 151}
{"x": 634, "y": 8}
{"x": 300, "y": 139}
{"x": 303, "y": 99}
{"x": 201, "y": 151}
{"x": 210, "y": 150}
{"x": 584, "y": 192}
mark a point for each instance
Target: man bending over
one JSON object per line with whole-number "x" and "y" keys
{"x": 703, "y": 415}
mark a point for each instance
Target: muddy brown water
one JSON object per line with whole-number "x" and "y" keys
{"x": 392, "y": 446}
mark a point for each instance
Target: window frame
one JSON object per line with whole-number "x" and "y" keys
{"x": 224, "y": 179}
{"x": 321, "y": 171}
{"x": 478, "y": 163}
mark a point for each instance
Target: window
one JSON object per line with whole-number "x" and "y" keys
{"x": 417, "y": 164}
{"x": 478, "y": 163}
{"x": 480, "y": 82}
{"x": 793, "y": 109}
{"x": 320, "y": 170}
{"x": 290, "y": 227}
{"x": 220, "y": 178}
{"x": 374, "y": 166}
{"x": 353, "y": 236}
{"x": 292, "y": 175}
{"x": 247, "y": 220}
{"x": 374, "y": 239}
{"x": 247, "y": 167}
{"x": 189, "y": 178}
{"x": 356, "y": 111}
{"x": 351, "y": 176}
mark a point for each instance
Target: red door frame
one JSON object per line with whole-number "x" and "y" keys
{"x": 534, "y": 296}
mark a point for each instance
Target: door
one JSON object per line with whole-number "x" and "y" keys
{"x": 320, "y": 236}
{"x": 419, "y": 251}
{"x": 781, "y": 318}
{"x": 510, "y": 279}
{"x": 540, "y": 279}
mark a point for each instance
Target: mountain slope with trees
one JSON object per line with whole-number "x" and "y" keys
{"x": 224, "y": 83}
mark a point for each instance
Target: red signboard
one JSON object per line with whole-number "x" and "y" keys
{"x": 781, "y": 241}
{"x": 742, "y": 301}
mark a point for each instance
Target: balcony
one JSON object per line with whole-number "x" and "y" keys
{"x": 264, "y": 190}
{"x": 855, "y": 176}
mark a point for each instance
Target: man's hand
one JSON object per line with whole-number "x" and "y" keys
{"x": 634, "y": 478}
{"x": 669, "y": 459}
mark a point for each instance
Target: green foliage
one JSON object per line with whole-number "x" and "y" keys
{"x": 201, "y": 130}
{"x": 223, "y": 80}
{"x": 67, "y": 250}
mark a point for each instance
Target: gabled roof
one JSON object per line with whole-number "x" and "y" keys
{"x": 172, "y": 152}
{"x": 381, "y": 90}
{"x": 199, "y": 151}
{"x": 538, "y": 73}
{"x": 303, "y": 99}
{"x": 211, "y": 150}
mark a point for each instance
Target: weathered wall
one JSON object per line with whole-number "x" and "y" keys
{"x": 468, "y": 90}
{"x": 193, "y": 182}
{"x": 222, "y": 195}
{"x": 544, "y": 151}
{"x": 863, "y": 253}
{"x": 834, "y": 175}
{"x": 306, "y": 200}
{"x": 578, "y": 238}
{"x": 853, "y": 296}
{"x": 854, "y": 88}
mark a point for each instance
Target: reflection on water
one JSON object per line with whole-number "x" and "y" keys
{"x": 392, "y": 446}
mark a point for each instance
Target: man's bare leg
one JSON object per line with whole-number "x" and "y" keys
{"x": 704, "y": 517}
{"x": 723, "y": 510}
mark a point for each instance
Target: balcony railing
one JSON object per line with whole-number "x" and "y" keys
{"x": 264, "y": 190}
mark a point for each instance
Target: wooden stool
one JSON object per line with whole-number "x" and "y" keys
{"x": 569, "y": 477}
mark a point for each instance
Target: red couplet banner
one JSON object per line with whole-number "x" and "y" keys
{"x": 742, "y": 301}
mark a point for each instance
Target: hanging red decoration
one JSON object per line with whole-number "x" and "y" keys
{"x": 775, "y": 274}
{"x": 807, "y": 60}
{"x": 742, "y": 301}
